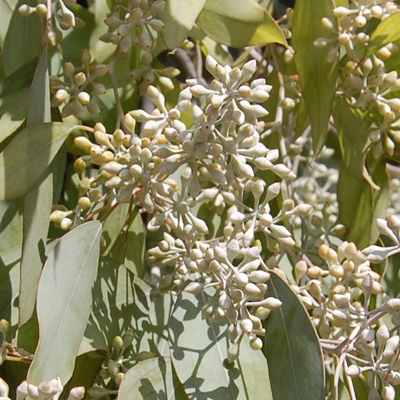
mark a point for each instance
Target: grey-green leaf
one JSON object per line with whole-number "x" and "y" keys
{"x": 149, "y": 379}
{"x": 199, "y": 349}
{"x": 64, "y": 302}
{"x": 292, "y": 348}
{"x": 179, "y": 17}
{"x": 239, "y": 23}
{"x": 26, "y": 158}
{"x": 317, "y": 77}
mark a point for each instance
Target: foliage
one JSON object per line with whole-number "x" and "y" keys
{"x": 199, "y": 200}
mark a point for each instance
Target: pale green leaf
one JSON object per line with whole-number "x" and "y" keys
{"x": 38, "y": 200}
{"x": 6, "y": 10}
{"x": 13, "y": 109}
{"x": 199, "y": 349}
{"x": 239, "y": 23}
{"x": 359, "y": 204}
{"x": 179, "y": 17}
{"x": 9, "y": 278}
{"x": 150, "y": 379}
{"x": 10, "y": 254}
{"x": 23, "y": 39}
{"x": 292, "y": 348}
{"x": 64, "y": 302}
{"x": 317, "y": 77}
{"x": 386, "y": 32}
{"x": 26, "y": 158}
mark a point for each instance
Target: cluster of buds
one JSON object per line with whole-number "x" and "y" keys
{"x": 46, "y": 390}
{"x": 74, "y": 89}
{"x": 59, "y": 13}
{"x": 217, "y": 158}
{"x": 350, "y": 33}
{"x": 138, "y": 26}
{"x": 366, "y": 83}
{"x": 114, "y": 367}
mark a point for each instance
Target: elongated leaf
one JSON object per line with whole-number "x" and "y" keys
{"x": 13, "y": 109}
{"x": 38, "y": 200}
{"x": 23, "y": 39}
{"x": 292, "y": 348}
{"x": 179, "y": 17}
{"x": 26, "y": 158}
{"x": 317, "y": 77}
{"x": 9, "y": 278}
{"x": 199, "y": 349}
{"x": 386, "y": 32}
{"x": 150, "y": 379}
{"x": 10, "y": 254}
{"x": 359, "y": 204}
{"x": 37, "y": 208}
{"x": 239, "y": 23}
{"x": 64, "y": 302}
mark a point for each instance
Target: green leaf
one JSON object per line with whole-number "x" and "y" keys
{"x": 87, "y": 366}
{"x": 37, "y": 208}
{"x": 149, "y": 379}
{"x": 24, "y": 161}
{"x": 64, "y": 302}
{"x": 13, "y": 108}
{"x": 386, "y": 32}
{"x": 9, "y": 278}
{"x": 10, "y": 254}
{"x": 28, "y": 335}
{"x": 239, "y": 24}
{"x": 199, "y": 349}
{"x": 23, "y": 39}
{"x": 359, "y": 204}
{"x": 317, "y": 77}
{"x": 292, "y": 348}
{"x": 179, "y": 17}
{"x": 6, "y": 10}
{"x": 20, "y": 79}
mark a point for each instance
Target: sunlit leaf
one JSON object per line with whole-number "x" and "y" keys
{"x": 6, "y": 10}
{"x": 38, "y": 200}
{"x": 386, "y": 32}
{"x": 179, "y": 17}
{"x": 239, "y": 24}
{"x": 197, "y": 344}
{"x": 359, "y": 204}
{"x": 26, "y": 158}
{"x": 292, "y": 348}
{"x": 23, "y": 39}
{"x": 317, "y": 77}
{"x": 64, "y": 302}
